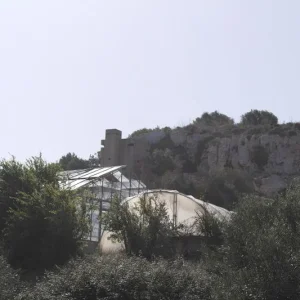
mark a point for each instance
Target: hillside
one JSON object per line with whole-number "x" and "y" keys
{"x": 219, "y": 161}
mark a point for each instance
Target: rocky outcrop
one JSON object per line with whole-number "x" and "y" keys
{"x": 270, "y": 155}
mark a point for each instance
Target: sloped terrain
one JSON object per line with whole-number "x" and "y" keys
{"x": 224, "y": 160}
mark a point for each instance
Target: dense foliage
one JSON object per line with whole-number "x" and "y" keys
{"x": 144, "y": 228}
{"x": 42, "y": 225}
{"x": 71, "y": 161}
{"x": 258, "y": 259}
{"x": 118, "y": 277}
{"x": 262, "y": 249}
{"x": 142, "y": 131}
{"x": 10, "y": 284}
{"x": 214, "y": 119}
{"x": 259, "y": 117}
{"x": 27, "y": 178}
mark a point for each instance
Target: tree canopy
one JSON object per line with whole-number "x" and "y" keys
{"x": 41, "y": 224}
{"x": 214, "y": 119}
{"x": 259, "y": 117}
{"x": 71, "y": 161}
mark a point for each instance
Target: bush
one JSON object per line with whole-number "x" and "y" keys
{"x": 43, "y": 224}
{"x": 145, "y": 131}
{"x": 17, "y": 177}
{"x": 118, "y": 277}
{"x": 214, "y": 119}
{"x": 44, "y": 229}
{"x": 71, "y": 161}
{"x": 261, "y": 251}
{"x": 9, "y": 281}
{"x": 162, "y": 161}
{"x": 259, "y": 117}
{"x": 219, "y": 193}
{"x": 144, "y": 228}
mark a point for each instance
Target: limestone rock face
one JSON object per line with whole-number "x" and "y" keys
{"x": 270, "y": 185}
{"x": 271, "y": 159}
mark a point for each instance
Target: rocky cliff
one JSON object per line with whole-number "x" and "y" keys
{"x": 265, "y": 157}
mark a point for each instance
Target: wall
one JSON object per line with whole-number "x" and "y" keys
{"x": 118, "y": 151}
{"x": 268, "y": 155}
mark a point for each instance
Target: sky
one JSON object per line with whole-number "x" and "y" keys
{"x": 71, "y": 69}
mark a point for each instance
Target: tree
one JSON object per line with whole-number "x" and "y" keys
{"x": 261, "y": 251}
{"x": 43, "y": 224}
{"x": 71, "y": 161}
{"x": 94, "y": 161}
{"x": 17, "y": 177}
{"x": 141, "y": 132}
{"x": 144, "y": 228}
{"x": 259, "y": 117}
{"x": 214, "y": 119}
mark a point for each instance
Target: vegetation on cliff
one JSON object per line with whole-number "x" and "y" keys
{"x": 217, "y": 159}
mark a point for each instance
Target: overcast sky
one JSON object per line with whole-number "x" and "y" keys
{"x": 71, "y": 69}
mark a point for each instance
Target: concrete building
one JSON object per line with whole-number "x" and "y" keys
{"x": 116, "y": 151}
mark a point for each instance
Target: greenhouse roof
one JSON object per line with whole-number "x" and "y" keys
{"x": 96, "y": 176}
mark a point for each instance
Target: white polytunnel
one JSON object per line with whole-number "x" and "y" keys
{"x": 181, "y": 208}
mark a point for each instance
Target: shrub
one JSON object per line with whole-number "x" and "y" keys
{"x": 163, "y": 144}
{"x": 261, "y": 251}
{"x": 9, "y": 281}
{"x": 219, "y": 193}
{"x": 17, "y": 177}
{"x": 210, "y": 227}
{"x": 44, "y": 225}
{"x": 146, "y": 130}
{"x": 45, "y": 228}
{"x": 144, "y": 228}
{"x": 279, "y": 130}
{"x": 214, "y": 119}
{"x": 71, "y": 161}
{"x": 259, "y": 117}
{"x": 118, "y": 277}
{"x": 292, "y": 133}
{"x": 161, "y": 161}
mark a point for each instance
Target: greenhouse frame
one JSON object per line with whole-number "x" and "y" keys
{"x": 104, "y": 183}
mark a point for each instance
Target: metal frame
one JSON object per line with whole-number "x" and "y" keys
{"x": 104, "y": 186}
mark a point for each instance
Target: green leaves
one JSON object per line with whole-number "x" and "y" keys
{"x": 42, "y": 225}
{"x": 119, "y": 277}
{"x": 144, "y": 227}
{"x": 259, "y": 117}
{"x": 262, "y": 244}
{"x": 71, "y": 161}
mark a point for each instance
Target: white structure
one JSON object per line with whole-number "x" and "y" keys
{"x": 104, "y": 183}
{"x": 182, "y": 209}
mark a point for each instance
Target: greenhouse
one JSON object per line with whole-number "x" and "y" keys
{"x": 104, "y": 183}
{"x": 181, "y": 208}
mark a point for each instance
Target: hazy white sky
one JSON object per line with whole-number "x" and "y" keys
{"x": 71, "y": 69}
